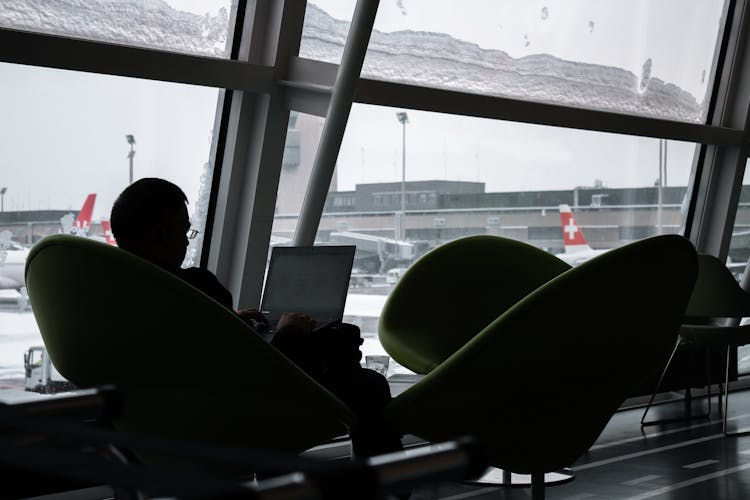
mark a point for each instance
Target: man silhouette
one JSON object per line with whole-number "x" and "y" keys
{"x": 150, "y": 219}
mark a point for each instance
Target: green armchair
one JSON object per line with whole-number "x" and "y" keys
{"x": 712, "y": 321}
{"x": 538, "y": 384}
{"x": 186, "y": 366}
{"x": 454, "y": 291}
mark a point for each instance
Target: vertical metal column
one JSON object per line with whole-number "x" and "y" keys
{"x": 402, "y": 235}
{"x": 338, "y": 114}
{"x": 403, "y": 119}
{"x": 659, "y": 180}
{"x": 717, "y": 194}
{"x": 253, "y": 152}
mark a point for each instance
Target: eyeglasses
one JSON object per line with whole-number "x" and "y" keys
{"x": 192, "y": 233}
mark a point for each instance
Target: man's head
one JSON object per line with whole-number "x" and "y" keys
{"x": 150, "y": 219}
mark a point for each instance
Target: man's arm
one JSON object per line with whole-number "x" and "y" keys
{"x": 206, "y": 282}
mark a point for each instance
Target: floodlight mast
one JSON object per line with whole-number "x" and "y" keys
{"x": 403, "y": 119}
{"x": 131, "y": 140}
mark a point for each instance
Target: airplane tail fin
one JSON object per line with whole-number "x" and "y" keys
{"x": 82, "y": 224}
{"x": 572, "y": 235}
{"x": 108, "y": 237}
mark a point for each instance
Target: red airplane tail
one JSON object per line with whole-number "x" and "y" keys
{"x": 572, "y": 235}
{"x": 108, "y": 237}
{"x": 82, "y": 223}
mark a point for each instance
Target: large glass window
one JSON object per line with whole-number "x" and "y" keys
{"x": 190, "y": 26}
{"x": 461, "y": 176}
{"x": 66, "y": 135}
{"x": 325, "y": 29}
{"x": 739, "y": 246}
{"x": 632, "y": 56}
{"x": 302, "y": 139}
{"x": 739, "y": 255}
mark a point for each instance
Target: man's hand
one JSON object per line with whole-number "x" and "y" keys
{"x": 252, "y": 313}
{"x": 302, "y": 321}
{"x": 254, "y": 319}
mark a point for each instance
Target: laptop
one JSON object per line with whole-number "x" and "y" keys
{"x": 310, "y": 280}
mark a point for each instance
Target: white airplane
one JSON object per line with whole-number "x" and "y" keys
{"x": 13, "y": 255}
{"x": 577, "y": 250}
{"x": 12, "y": 262}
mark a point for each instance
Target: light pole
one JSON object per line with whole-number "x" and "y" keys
{"x": 661, "y": 182}
{"x": 131, "y": 154}
{"x": 2, "y": 199}
{"x": 403, "y": 119}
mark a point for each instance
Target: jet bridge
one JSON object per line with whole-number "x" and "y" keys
{"x": 375, "y": 251}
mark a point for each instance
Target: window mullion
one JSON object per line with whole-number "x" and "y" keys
{"x": 309, "y": 84}
{"x": 53, "y": 51}
{"x": 246, "y": 193}
{"x": 406, "y": 96}
{"x": 338, "y": 113}
{"x": 718, "y": 190}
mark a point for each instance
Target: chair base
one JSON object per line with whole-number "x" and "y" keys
{"x": 739, "y": 432}
{"x": 495, "y": 476}
{"x": 688, "y": 415}
{"x": 664, "y": 421}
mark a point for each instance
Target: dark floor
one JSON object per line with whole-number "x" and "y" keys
{"x": 680, "y": 460}
{"x": 688, "y": 460}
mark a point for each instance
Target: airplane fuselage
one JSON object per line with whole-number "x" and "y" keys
{"x": 12, "y": 264}
{"x": 576, "y": 258}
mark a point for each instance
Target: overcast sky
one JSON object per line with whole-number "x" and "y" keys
{"x": 63, "y": 133}
{"x": 677, "y": 35}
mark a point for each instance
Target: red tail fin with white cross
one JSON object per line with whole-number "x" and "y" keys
{"x": 572, "y": 234}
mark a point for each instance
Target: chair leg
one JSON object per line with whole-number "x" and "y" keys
{"x": 726, "y": 393}
{"x": 688, "y": 396}
{"x": 741, "y": 432}
{"x": 688, "y": 402}
{"x": 658, "y": 384}
{"x": 708, "y": 380}
{"x": 537, "y": 486}
{"x": 507, "y": 478}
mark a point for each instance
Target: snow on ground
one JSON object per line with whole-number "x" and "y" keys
{"x": 18, "y": 332}
{"x": 368, "y": 306}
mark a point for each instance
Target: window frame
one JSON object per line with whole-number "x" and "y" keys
{"x": 264, "y": 79}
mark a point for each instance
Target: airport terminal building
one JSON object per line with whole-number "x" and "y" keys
{"x": 440, "y": 211}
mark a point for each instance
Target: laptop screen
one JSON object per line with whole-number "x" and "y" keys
{"x": 311, "y": 280}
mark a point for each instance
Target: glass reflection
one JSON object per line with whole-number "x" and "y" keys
{"x": 637, "y": 57}
{"x": 177, "y": 25}
{"x": 405, "y": 185}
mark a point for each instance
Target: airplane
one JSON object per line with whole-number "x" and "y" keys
{"x": 108, "y": 237}
{"x": 577, "y": 250}
{"x": 12, "y": 262}
{"x": 81, "y": 225}
{"x": 13, "y": 255}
